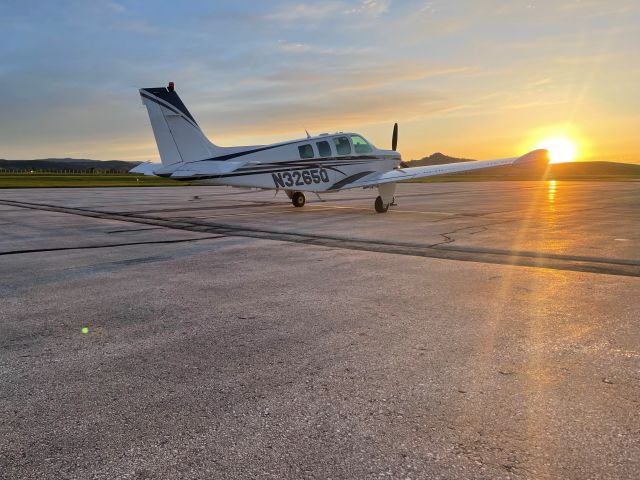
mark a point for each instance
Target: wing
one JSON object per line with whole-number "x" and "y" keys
{"x": 400, "y": 174}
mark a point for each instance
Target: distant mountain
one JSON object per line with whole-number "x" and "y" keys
{"x": 76, "y": 164}
{"x": 436, "y": 159}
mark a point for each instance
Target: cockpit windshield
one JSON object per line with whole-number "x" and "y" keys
{"x": 360, "y": 145}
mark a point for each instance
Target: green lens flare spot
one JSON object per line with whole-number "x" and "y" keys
{"x": 85, "y": 330}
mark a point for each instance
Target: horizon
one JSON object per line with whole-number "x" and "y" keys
{"x": 425, "y": 157}
{"x": 477, "y": 80}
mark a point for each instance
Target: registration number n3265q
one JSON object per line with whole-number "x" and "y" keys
{"x": 300, "y": 178}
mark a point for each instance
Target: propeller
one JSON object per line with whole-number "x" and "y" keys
{"x": 394, "y": 138}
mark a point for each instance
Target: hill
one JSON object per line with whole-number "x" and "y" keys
{"x": 67, "y": 164}
{"x": 595, "y": 169}
{"x": 436, "y": 159}
{"x": 559, "y": 171}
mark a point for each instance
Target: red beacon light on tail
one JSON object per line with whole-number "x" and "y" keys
{"x": 171, "y": 87}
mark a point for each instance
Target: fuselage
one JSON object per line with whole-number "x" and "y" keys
{"x": 315, "y": 164}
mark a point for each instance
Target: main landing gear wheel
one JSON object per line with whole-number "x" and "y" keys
{"x": 380, "y": 206}
{"x": 298, "y": 199}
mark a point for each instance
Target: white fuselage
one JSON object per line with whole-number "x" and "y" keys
{"x": 315, "y": 164}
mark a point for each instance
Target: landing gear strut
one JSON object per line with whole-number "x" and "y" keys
{"x": 386, "y": 198}
{"x": 298, "y": 199}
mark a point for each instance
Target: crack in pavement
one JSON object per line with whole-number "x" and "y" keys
{"x": 624, "y": 267}
{"x": 448, "y": 236}
{"x": 483, "y": 228}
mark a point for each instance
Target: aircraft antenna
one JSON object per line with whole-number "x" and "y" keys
{"x": 305, "y": 131}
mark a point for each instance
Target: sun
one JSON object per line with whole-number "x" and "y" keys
{"x": 560, "y": 149}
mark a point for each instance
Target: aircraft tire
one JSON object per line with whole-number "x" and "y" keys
{"x": 379, "y": 206}
{"x": 298, "y": 199}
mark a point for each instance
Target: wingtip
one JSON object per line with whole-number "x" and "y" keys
{"x": 540, "y": 155}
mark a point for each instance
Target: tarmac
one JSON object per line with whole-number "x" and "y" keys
{"x": 477, "y": 330}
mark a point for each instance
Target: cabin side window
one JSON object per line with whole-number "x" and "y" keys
{"x": 324, "y": 149}
{"x": 306, "y": 151}
{"x": 343, "y": 147}
{"x": 360, "y": 145}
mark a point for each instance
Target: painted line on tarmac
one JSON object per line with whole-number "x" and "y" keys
{"x": 106, "y": 245}
{"x": 607, "y": 266}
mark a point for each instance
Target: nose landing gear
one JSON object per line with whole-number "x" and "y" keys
{"x": 298, "y": 199}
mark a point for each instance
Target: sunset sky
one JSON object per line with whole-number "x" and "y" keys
{"x": 477, "y": 79}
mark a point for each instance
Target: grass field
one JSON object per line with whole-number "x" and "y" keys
{"x": 49, "y": 180}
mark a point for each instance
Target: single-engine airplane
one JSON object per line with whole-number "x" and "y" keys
{"x": 323, "y": 163}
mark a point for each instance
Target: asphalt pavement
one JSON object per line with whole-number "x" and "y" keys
{"x": 476, "y": 330}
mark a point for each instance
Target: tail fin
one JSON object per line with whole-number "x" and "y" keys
{"x": 177, "y": 134}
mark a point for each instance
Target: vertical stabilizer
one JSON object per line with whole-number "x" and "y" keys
{"x": 177, "y": 134}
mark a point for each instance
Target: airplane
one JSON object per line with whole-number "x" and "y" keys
{"x": 315, "y": 164}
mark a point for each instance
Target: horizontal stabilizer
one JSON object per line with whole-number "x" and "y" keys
{"x": 146, "y": 168}
{"x": 207, "y": 168}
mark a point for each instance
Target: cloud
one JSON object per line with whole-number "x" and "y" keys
{"x": 289, "y": 47}
{"x": 583, "y": 59}
{"x": 114, "y": 7}
{"x": 136, "y": 26}
{"x": 539, "y": 83}
{"x": 325, "y": 112}
{"x": 534, "y": 104}
{"x": 598, "y": 9}
{"x": 321, "y": 96}
{"x": 373, "y": 8}
{"x": 301, "y": 12}
{"x": 360, "y": 77}
{"x": 293, "y": 47}
{"x": 305, "y": 11}
{"x": 394, "y": 74}
{"x": 120, "y": 18}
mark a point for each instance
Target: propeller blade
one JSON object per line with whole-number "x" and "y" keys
{"x": 394, "y": 139}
